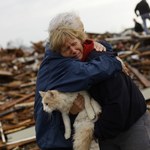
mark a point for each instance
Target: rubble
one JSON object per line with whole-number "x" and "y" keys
{"x": 18, "y": 71}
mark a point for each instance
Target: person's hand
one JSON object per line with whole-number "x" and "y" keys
{"x": 124, "y": 68}
{"x": 99, "y": 47}
{"x": 78, "y": 105}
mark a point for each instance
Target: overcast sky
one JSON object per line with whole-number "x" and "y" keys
{"x": 24, "y": 21}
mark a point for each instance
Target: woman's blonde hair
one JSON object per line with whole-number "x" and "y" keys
{"x": 62, "y": 26}
{"x": 59, "y": 37}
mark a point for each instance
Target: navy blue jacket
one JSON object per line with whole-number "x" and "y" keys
{"x": 68, "y": 75}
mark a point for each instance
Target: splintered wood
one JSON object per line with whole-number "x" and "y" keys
{"x": 18, "y": 71}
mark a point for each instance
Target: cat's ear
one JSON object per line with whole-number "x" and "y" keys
{"x": 53, "y": 93}
{"x": 42, "y": 93}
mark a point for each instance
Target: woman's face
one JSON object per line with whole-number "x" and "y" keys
{"x": 72, "y": 48}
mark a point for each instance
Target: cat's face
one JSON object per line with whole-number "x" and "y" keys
{"x": 50, "y": 100}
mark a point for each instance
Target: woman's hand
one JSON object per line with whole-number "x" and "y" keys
{"x": 78, "y": 105}
{"x": 99, "y": 47}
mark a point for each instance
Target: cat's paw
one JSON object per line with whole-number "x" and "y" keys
{"x": 91, "y": 115}
{"x": 67, "y": 136}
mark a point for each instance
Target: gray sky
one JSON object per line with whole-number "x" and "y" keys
{"x": 24, "y": 21}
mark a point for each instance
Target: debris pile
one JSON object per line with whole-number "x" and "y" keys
{"x": 18, "y": 71}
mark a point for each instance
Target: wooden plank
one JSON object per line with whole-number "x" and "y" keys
{"x": 2, "y": 133}
{"x": 21, "y": 125}
{"x": 21, "y": 135}
{"x": 8, "y": 111}
{"x": 141, "y": 77}
{"x": 147, "y": 53}
{"x": 143, "y": 37}
{"x": 13, "y": 102}
{"x": 5, "y": 73}
{"x": 123, "y": 38}
{"x": 22, "y": 142}
{"x": 19, "y": 138}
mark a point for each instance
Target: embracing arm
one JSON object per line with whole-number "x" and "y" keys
{"x": 68, "y": 74}
{"x": 109, "y": 51}
{"x": 73, "y": 75}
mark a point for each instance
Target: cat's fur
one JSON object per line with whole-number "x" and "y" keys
{"x": 84, "y": 122}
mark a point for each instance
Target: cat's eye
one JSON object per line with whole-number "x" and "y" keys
{"x": 46, "y": 104}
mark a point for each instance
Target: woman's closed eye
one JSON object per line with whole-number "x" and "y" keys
{"x": 74, "y": 44}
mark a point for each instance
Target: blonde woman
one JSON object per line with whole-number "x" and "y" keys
{"x": 62, "y": 69}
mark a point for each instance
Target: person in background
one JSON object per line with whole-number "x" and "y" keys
{"x": 66, "y": 74}
{"x": 124, "y": 119}
{"x": 142, "y": 9}
{"x": 138, "y": 27}
{"x": 137, "y": 30}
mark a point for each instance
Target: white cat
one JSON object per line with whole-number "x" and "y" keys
{"x": 84, "y": 122}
